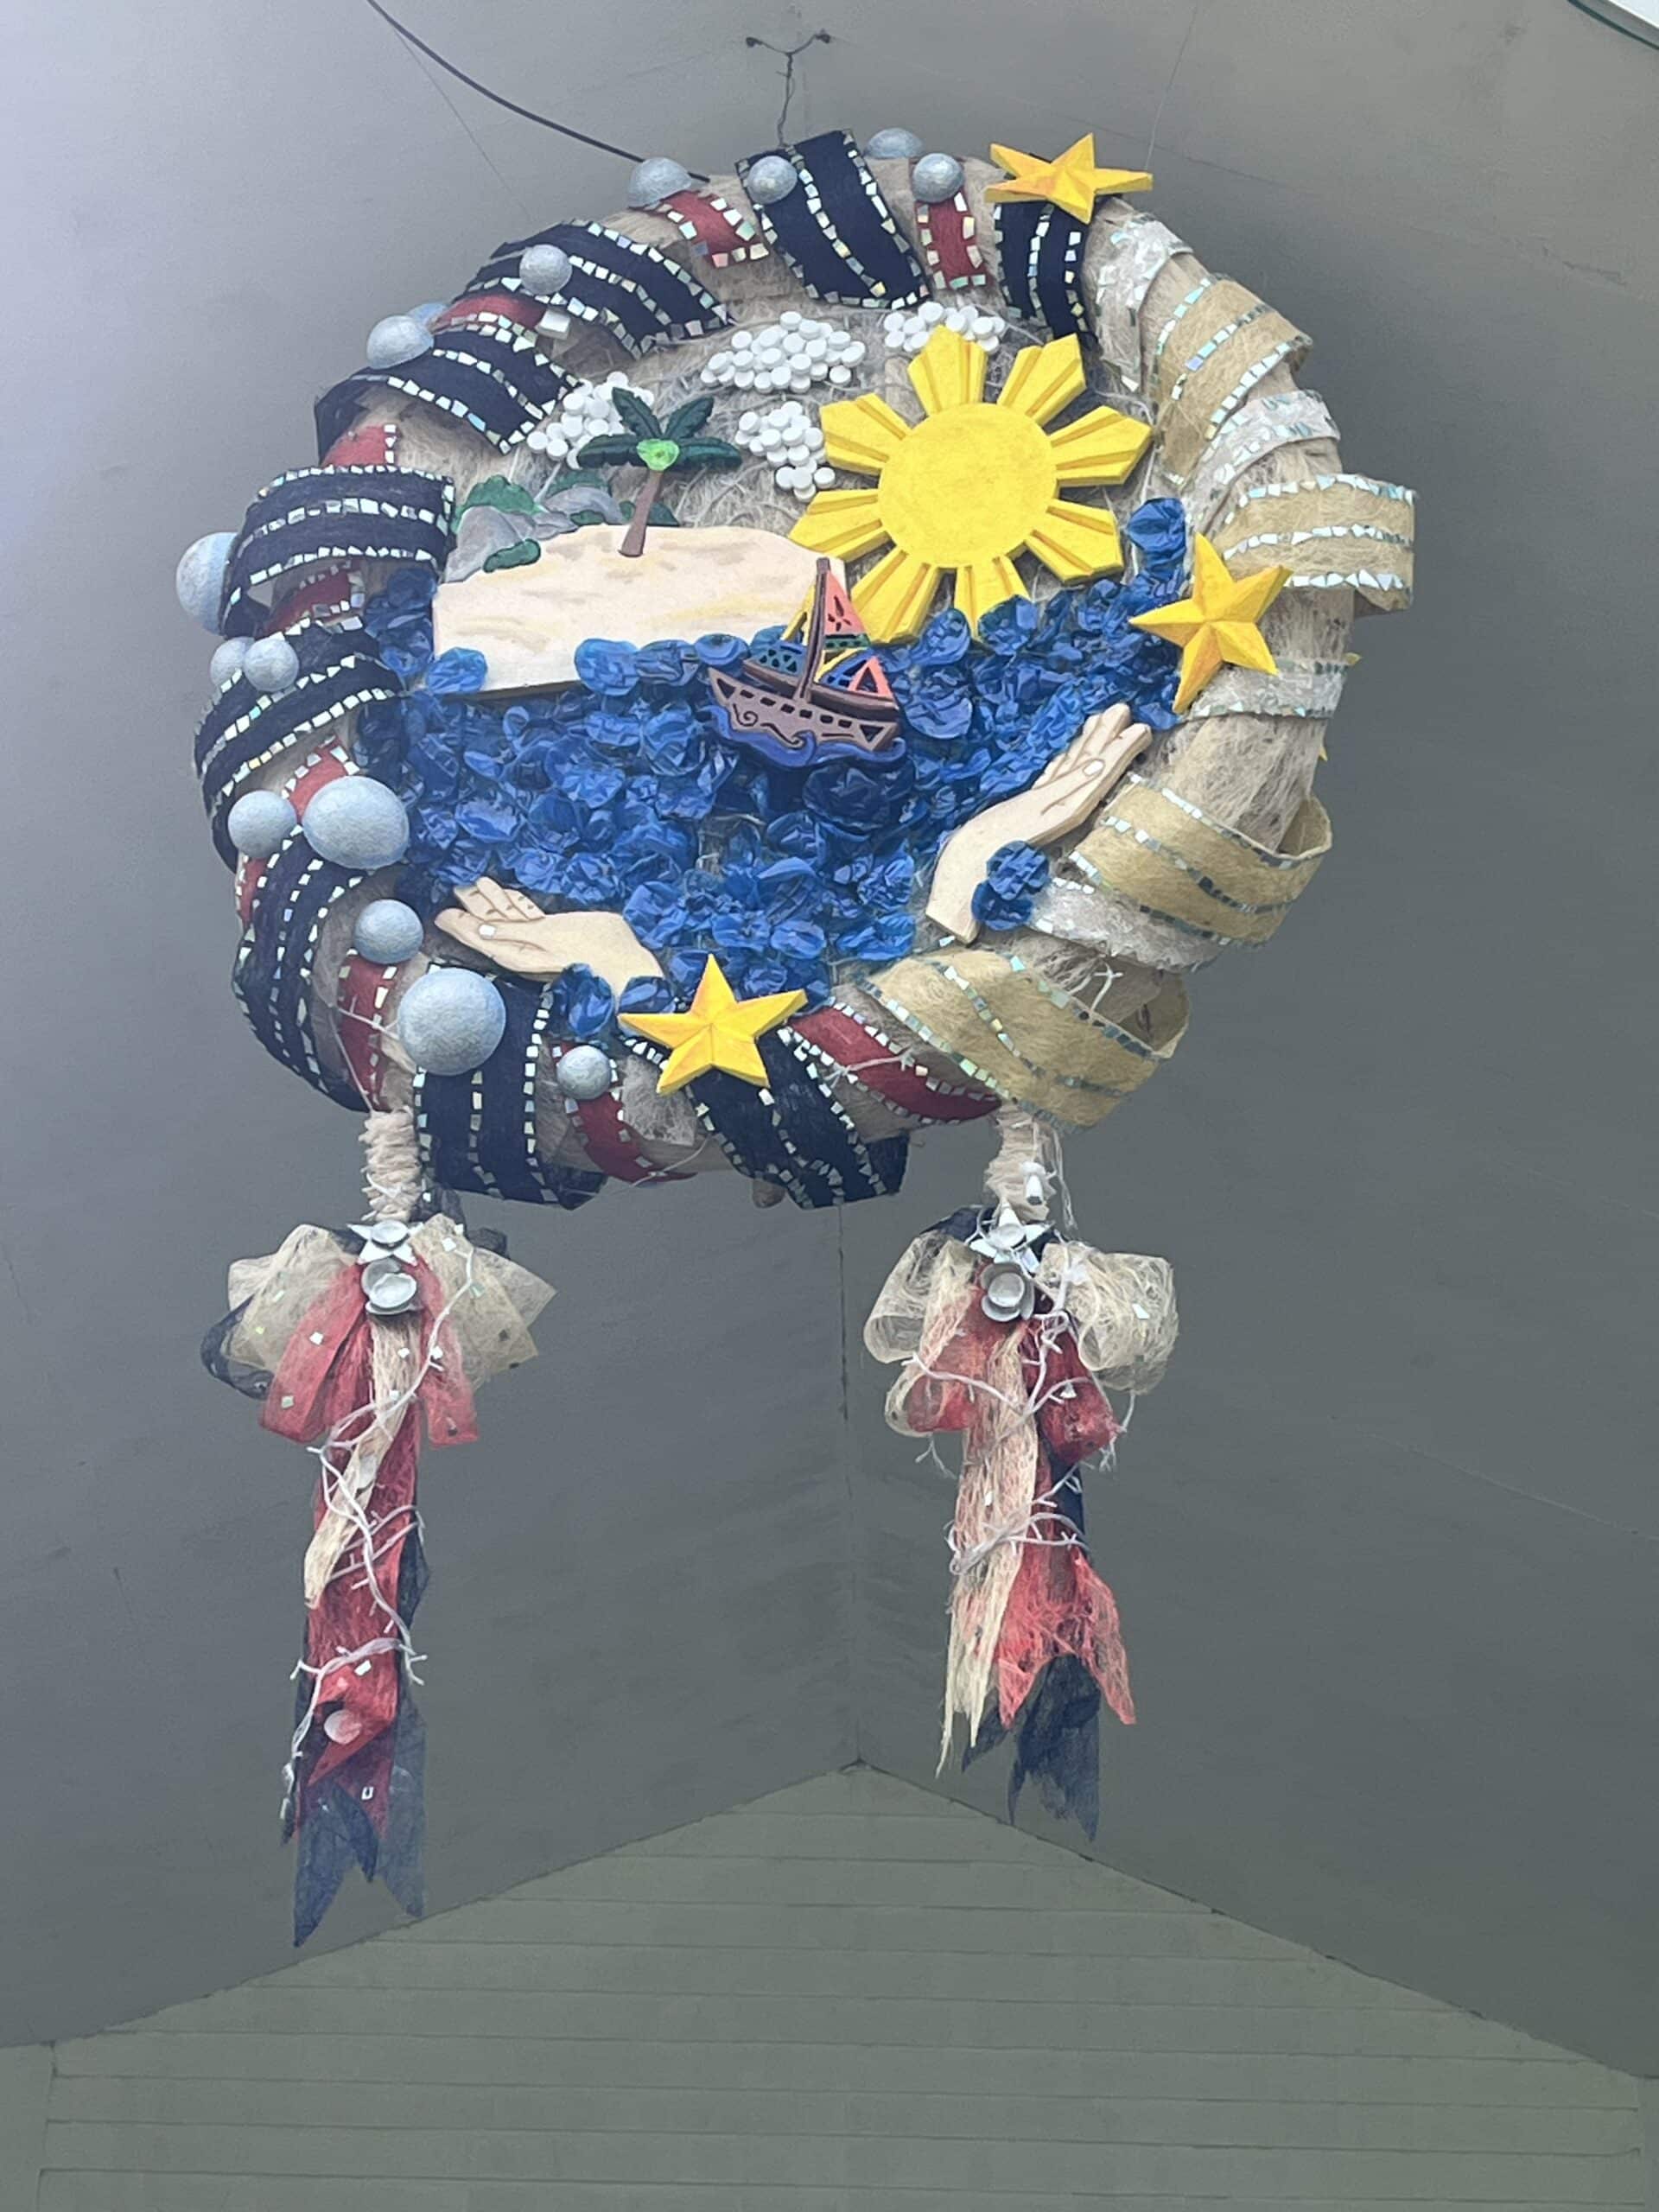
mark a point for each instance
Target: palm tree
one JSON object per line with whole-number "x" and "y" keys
{"x": 657, "y": 448}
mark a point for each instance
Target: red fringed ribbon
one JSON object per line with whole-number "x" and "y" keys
{"x": 322, "y": 1394}
{"x": 1058, "y": 1605}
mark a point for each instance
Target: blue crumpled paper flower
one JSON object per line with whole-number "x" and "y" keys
{"x": 1013, "y": 876}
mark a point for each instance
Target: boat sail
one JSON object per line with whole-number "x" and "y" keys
{"x": 820, "y": 690}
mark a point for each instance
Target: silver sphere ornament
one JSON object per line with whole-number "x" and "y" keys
{"x": 585, "y": 1072}
{"x": 271, "y": 665}
{"x": 388, "y": 931}
{"x": 260, "y": 823}
{"x": 397, "y": 338}
{"x": 226, "y": 663}
{"x": 770, "y": 178}
{"x": 358, "y": 823}
{"x": 544, "y": 269}
{"x": 450, "y": 1020}
{"x": 428, "y": 311}
{"x": 657, "y": 179}
{"x": 200, "y": 579}
{"x": 936, "y": 176}
{"x": 895, "y": 145}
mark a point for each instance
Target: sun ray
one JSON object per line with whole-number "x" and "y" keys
{"x": 986, "y": 584}
{"x": 862, "y": 434}
{"x": 1045, "y": 379}
{"x": 1100, "y": 447}
{"x": 895, "y": 598}
{"x": 842, "y": 524}
{"x": 1076, "y": 542}
{"x": 949, "y": 372}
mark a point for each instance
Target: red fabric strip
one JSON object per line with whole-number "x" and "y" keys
{"x": 370, "y": 445}
{"x": 250, "y": 874}
{"x": 880, "y": 1068}
{"x": 947, "y": 238}
{"x": 481, "y": 307}
{"x": 710, "y": 225}
{"x": 327, "y": 598}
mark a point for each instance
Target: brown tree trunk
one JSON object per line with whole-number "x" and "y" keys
{"x": 634, "y": 543}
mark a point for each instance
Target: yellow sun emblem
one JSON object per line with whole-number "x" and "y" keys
{"x": 972, "y": 484}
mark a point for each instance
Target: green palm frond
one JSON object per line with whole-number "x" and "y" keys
{"x": 685, "y": 422}
{"x": 608, "y": 448}
{"x": 637, "y": 417}
{"x": 710, "y": 452}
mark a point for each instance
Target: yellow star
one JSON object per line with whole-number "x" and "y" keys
{"x": 1218, "y": 623}
{"x": 1071, "y": 180}
{"x": 717, "y": 1030}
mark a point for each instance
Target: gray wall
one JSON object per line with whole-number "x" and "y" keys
{"x": 1384, "y": 1545}
{"x": 847, "y": 1997}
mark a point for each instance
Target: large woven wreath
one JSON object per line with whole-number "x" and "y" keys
{"x": 820, "y": 653}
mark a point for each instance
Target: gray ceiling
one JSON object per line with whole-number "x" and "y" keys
{"x": 1385, "y": 1543}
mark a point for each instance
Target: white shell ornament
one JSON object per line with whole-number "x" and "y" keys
{"x": 271, "y": 665}
{"x": 657, "y": 179}
{"x": 260, "y": 823}
{"x": 585, "y": 1072}
{"x": 357, "y": 823}
{"x": 770, "y": 178}
{"x": 544, "y": 269}
{"x": 1006, "y": 1293}
{"x": 388, "y": 931}
{"x": 450, "y": 1020}
{"x": 389, "y": 1288}
{"x": 936, "y": 176}
{"x": 894, "y": 145}
{"x": 397, "y": 338}
{"x": 199, "y": 578}
{"x": 226, "y": 663}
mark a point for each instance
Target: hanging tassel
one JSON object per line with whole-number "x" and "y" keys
{"x": 1010, "y": 1334}
{"x": 358, "y": 1342}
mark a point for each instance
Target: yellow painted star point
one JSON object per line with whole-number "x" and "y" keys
{"x": 717, "y": 1030}
{"x": 1218, "y": 624}
{"x": 1072, "y": 179}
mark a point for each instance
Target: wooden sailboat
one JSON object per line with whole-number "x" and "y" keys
{"x": 783, "y": 704}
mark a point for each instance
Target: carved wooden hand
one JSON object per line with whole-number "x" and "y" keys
{"x": 1063, "y": 797}
{"x": 511, "y": 930}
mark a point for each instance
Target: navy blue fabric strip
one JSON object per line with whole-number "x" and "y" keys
{"x": 1040, "y": 248}
{"x": 240, "y": 760}
{"x": 365, "y": 492}
{"x": 258, "y": 562}
{"x": 644, "y": 297}
{"x": 477, "y": 1131}
{"x": 1060, "y": 241}
{"x": 501, "y": 385}
{"x": 793, "y": 1133}
{"x": 1016, "y": 227}
{"x": 273, "y": 976}
{"x": 837, "y": 232}
{"x": 505, "y": 1148}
